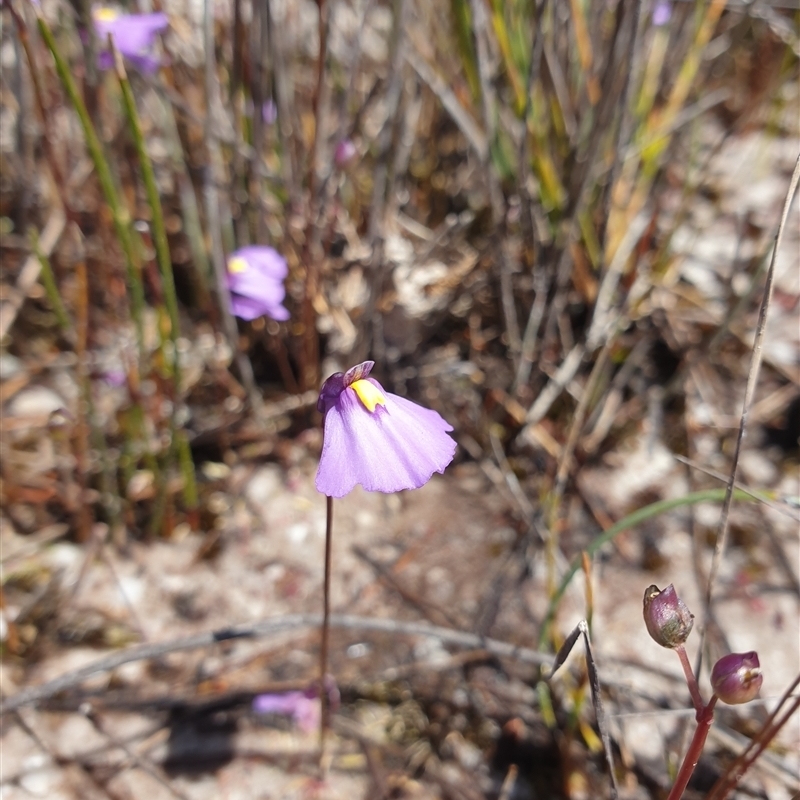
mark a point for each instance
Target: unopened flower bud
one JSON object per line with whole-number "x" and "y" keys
{"x": 668, "y": 620}
{"x": 345, "y": 153}
{"x": 736, "y": 678}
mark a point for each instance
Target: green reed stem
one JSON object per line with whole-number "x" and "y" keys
{"x": 187, "y": 470}
{"x": 119, "y": 213}
{"x": 191, "y": 212}
{"x": 154, "y": 201}
{"x": 178, "y": 444}
{"x": 50, "y": 285}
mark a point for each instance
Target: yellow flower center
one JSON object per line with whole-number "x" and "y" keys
{"x": 237, "y": 264}
{"x": 369, "y": 394}
{"x": 105, "y": 14}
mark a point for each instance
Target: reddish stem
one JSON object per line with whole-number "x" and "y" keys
{"x": 323, "y": 653}
{"x": 691, "y": 681}
{"x": 704, "y": 720}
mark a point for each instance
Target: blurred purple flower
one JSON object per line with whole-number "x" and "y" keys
{"x": 114, "y": 377}
{"x": 302, "y": 707}
{"x": 134, "y": 36}
{"x": 269, "y": 112}
{"x": 379, "y": 440}
{"x": 662, "y": 13}
{"x": 255, "y": 280}
{"x": 345, "y": 153}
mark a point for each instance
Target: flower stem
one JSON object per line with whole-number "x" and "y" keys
{"x": 704, "y": 720}
{"x": 691, "y": 681}
{"x": 326, "y": 608}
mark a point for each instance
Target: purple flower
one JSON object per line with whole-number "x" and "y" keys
{"x": 345, "y": 153}
{"x": 302, "y": 707}
{"x": 114, "y": 377}
{"x": 269, "y": 112}
{"x": 736, "y": 678}
{"x": 662, "y": 13}
{"x": 379, "y": 440}
{"x": 134, "y": 36}
{"x": 255, "y": 280}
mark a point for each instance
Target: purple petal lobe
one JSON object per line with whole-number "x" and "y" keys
{"x": 266, "y": 260}
{"x": 303, "y": 707}
{"x": 358, "y": 372}
{"x": 247, "y": 308}
{"x": 330, "y": 391}
{"x": 134, "y": 36}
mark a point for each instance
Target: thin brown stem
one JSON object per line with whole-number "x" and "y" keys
{"x": 263, "y": 629}
{"x": 756, "y": 358}
{"x": 323, "y": 652}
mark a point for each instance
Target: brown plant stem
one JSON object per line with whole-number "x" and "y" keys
{"x": 704, "y": 720}
{"x": 81, "y": 441}
{"x": 326, "y": 610}
{"x": 265, "y": 628}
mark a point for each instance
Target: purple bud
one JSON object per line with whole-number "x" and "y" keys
{"x": 736, "y": 678}
{"x": 345, "y": 153}
{"x": 668, "y": 620}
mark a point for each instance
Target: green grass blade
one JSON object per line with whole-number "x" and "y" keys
{"x": 180, "y": 446}
{"x": 50, "y": 285}
{"x": 633, "y": 519}
{"x": 119, "y": 213}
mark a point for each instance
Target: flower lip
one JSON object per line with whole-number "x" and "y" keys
{"x": 396, "y": 446}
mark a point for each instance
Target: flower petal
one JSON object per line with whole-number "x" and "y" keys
{"x": 397, "y": 446}
{"x": 253, "y": 284}
{"x": 133, "y": 33}
{"x": 249, "y": 308}
{"x": 134, "y": 36}
{"x": 265, "y": 260}
{"x": 304, "y": 708}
